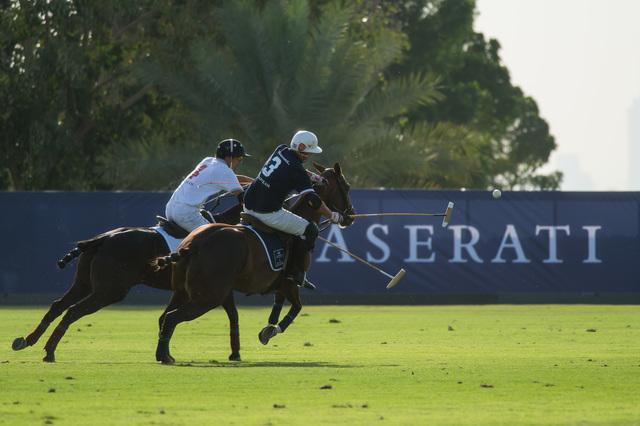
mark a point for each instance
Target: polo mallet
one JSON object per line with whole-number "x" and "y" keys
{"x": 219, "y": 197}
{"x": 394, "y": 279}
{"x": 446, "y": 215}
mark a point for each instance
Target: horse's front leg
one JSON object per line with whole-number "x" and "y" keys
{"x": 278, "y": 301}
{"x": 229, "y": 306}
{"x": 291, "y": 293}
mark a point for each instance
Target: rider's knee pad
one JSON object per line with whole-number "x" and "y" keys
{"x": 310, "y": 235}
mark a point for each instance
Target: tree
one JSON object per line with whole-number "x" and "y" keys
{"x": 477, "y": 90}
{"x": 276, "y": 69}
{"x": 129, "y": 95}
{"x": 68, "y": 88}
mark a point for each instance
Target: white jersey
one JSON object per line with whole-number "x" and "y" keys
{"x": 211, "y": 177}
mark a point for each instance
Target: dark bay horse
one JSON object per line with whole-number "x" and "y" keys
{"x": 215, "y": 260}
{"x": 109, "y": 265}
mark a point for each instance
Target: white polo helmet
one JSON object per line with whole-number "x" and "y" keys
{"x": 304, "y": 141}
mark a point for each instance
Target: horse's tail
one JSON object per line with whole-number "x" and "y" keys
{"x": 162, "y": 262}
{"x": 81, "y": 247}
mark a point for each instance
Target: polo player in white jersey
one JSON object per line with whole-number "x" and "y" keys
{"x": 211, "y": 177}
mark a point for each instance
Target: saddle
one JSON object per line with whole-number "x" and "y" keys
{"x": 286, "y": 239}
{"x": 247, "y": 219}
{"x": 175, "y": 230}
{"x": 291, "y": 243}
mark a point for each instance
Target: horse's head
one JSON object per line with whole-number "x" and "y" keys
{"x": 335, "y": 193}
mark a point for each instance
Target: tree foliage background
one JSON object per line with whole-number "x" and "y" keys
{"x": 132, "y": 94}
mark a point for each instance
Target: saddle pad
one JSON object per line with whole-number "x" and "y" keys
{"x": 172, "y": 243}
{"x": 273, "y": 247}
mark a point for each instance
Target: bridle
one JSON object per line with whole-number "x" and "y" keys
{"x": 319, "y": 187}
{"x": 341, "y": 184}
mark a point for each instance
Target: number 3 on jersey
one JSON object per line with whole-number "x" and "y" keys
{"x": 271, "y": 166}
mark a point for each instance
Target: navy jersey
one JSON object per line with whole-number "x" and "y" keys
{"x": 281, "y": 174}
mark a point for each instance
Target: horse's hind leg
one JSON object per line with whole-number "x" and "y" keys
{"x": 177, "y": 299}
{"x": 79, "y": 289}
{"x": 187, "y": 312}
{"x": 88, "y": 305}
{"x": 229, "y": 306}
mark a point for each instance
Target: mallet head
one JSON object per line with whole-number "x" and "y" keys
{"x": 397, "y": 278}
{"x": 447, "y": 214}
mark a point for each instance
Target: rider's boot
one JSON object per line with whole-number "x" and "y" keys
{"x": 297, "y": 273}
{"x": 300, "y": 261}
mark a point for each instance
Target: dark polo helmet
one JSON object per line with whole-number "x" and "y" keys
{"x": 231, "y": 148}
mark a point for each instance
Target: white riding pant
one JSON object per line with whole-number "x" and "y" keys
{"x": 188, "y": 217}
{"x": 282, "y": 220}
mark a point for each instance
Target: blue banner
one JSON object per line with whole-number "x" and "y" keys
{"x": 523, "y": 242}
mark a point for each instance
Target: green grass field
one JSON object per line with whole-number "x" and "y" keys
{"x": 384, "y": 365}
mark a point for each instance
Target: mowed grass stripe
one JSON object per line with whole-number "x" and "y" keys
{"x": 389, "y": 365}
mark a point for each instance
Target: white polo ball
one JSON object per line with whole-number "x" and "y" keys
{"x": 496, "y": 193}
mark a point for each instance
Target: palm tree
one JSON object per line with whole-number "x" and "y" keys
{"x": 275, "y": 69}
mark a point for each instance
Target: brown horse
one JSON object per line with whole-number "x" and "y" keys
{"x": 214, "y": 260}
{"x": 109, "y": 265}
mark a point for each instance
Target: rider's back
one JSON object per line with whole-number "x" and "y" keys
{"x": 282, "y": 173}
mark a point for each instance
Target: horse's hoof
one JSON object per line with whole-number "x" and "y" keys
{"x": 267, "y": 333}
{"x": 49, "y": 357}
{"x": 163, "y": 354}
{"x": 166, "y": 359}
{"x": 235, "y": 357}
{"x": 19, "y": 344}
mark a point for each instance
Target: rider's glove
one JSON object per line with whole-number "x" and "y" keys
{"x": 335, "y": 217}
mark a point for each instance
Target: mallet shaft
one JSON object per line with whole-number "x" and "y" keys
{"x": 395, "y": 214}
{"x": 355, "y": 257}
{"x": 445, "y": 221}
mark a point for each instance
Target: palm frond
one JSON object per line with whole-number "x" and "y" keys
{"x": 396, "y": 97}
{"x": 149, "y": 164}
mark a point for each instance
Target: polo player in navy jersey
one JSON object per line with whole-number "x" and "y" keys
{"x": 282, "y": 174}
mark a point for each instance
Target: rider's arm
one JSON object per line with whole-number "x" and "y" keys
{"x": 334, "y": 217}
{"x": 324, "y": 210}
{"x": 240, "y": 195}
{"x": 244, "y": 180}
{"x": 317, "y": 203}
{"x": 237, "y": 188}
{"x": 315, "y": 178}
{"x": 304, "y": 185}
{"x": 239, "y": 192}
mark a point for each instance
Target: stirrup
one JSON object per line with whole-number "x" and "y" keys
{"x": 300, "y": 279}
{"x": 307, "y": 284}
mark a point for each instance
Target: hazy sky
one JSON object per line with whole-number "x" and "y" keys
{"x": 580, "y": 60}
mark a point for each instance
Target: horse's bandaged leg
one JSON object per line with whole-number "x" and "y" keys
{"x": 275, "y": 313}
